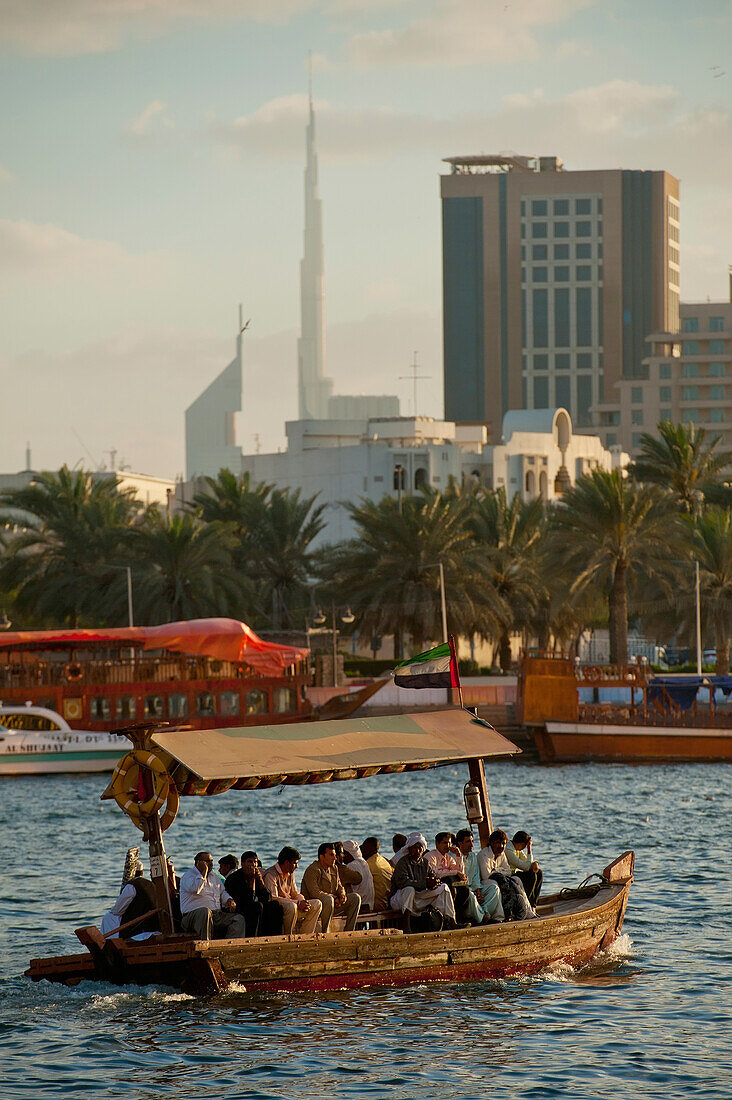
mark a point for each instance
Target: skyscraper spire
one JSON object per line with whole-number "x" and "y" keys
{"x": 314, "y": 388}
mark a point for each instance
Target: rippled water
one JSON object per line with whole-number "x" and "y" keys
{"x": 649, "y": 1019}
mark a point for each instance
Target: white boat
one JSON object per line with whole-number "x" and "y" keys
{"x": 37, "y": 741}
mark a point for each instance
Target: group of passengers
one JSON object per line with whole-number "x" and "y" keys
{"x": 245, "y": 900}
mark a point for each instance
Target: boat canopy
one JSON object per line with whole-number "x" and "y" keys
{"x": 226, "y": 639}
{"x": 682, "y": 690}
{"x": 210, "y": 761}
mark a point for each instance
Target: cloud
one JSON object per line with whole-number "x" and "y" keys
{"x": 462, "y": 32}
{"x": 152, "y": 124}
{"x": 5, "y": 174}
{"x": 68, "y": 27}
{"x": 29, "y": 247}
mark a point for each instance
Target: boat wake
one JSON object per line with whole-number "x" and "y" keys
{"x": 609, "y": 967}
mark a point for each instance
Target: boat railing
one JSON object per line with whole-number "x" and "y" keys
{"x": 619, "y": 714}
{"x": 103, "y": 672}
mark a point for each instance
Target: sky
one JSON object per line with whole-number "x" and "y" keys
{"x": 151, "y": 178}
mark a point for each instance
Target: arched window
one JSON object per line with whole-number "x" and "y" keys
{"x": 420, "y": 477}
{"x": 153, "y": 706}
{"x": 205, "y": 705}
{"x": 543, "y": 485}
{"x": 229, "y": 702}
{"x": 257, "y": 702}
{"x": 177, "y": 706}
{"x": 400, "y": 481}
{"x": 285, "y": 699}
{"x": 530, "y": 483}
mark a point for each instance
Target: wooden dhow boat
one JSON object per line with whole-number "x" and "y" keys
{"x": 166, "y": 765}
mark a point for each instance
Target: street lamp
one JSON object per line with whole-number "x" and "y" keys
{"x": 443, "y": 605}
{"x": 128, "y": 571}
{"x": 346, "y": 617}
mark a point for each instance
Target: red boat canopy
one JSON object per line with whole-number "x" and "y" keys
{"x": 227, "y": 639}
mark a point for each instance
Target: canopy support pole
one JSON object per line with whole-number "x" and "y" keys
{"x": 477, "y": 775}
{"x": 159, "y": 874}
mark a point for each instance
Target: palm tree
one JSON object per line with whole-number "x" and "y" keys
{"x": 231, "y": 499}
{"x": 682, "y": 460}
{"x": 67, "y": 528}
{"x": 183, "y": 569}
{"x": 281, "y": 555}
{"x": 712, "y": 547}
{"x": 509, "y": 534}
{"x": 388, "y": 573}
{"x": 611, "y": 533}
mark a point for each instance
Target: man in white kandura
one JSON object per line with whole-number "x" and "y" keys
{"x": 415, "y": 885}
{"x": 207, "y": 911}
{"x": 486, "y": 893}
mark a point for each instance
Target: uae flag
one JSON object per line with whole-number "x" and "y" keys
{"x": 437, "y": 668}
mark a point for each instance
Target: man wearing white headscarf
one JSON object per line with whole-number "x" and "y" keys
{"x": 415, "y": 885}
{"x": 353, "y": 857}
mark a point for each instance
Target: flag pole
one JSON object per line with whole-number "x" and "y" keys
{"x": 454, "y": 663}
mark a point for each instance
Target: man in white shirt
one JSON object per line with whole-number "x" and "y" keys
{"x": 485, "y": 895}
{"x": 207, "y": 911}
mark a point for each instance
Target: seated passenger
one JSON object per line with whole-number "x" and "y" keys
{"x": 353, "y": 861}
{"x": 322, "y": 882}
{"x": 207, "y": 911}
{"x": 494, "y": 865}
{"x": 381, "y": 872}
{"x": 298, "y": 914}
{"x": 350, "y": 876}
{"x": 447, "y": 863}
{"x": 486, "y": 895}
{"x": 262, "y": 914}
{"x": 399, "y": 847}
{"x": 136, "y": 898}
{"x": 227, "y": 864}
{"x": 415, "y": 886}
{"x": 523, "y": 864}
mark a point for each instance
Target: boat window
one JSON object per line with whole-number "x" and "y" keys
{"x": 229, "y": 702}
{"x": 125, "y": 706}
{"x": 177, "y": 706}
{"x": 154, "y": 706}
{"x": 100, "y": 708}
{"x": 284, "y": 699}
{"x": 257, "y": 702}
{"x": 205, "y": 705}
{"x": 28, "y": 722}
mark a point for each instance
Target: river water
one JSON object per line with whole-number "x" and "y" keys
{"x": 650, "y": 1019}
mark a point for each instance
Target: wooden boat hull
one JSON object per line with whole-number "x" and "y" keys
{"x": 573, "y": 742}
{"x": 570, "y": 929}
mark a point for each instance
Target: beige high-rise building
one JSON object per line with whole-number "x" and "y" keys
{"x": 551, "y": 282}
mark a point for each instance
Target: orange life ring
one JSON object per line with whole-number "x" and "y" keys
{"x": 124, "y": 788}
{"x": 73, "y": 672}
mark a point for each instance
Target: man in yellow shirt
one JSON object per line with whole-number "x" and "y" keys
{"x": 381, "y": 871}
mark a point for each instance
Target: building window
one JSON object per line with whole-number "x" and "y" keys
{"x": 539, "y": 251}
{"x": 561, "y": 361}
{"x": 584, "y": 361}
{"x": 636, "y": 417}
{"x": 716, "y": 393}
{"x": 637, "y": 436}
{"x": 154, "y": 706}
{"x": 561, "y": 251}
{"x": 541, "y": 393}
{"x": 664, "y": 370}
{"x": 583, "y": 206}
{"x": 584, "y": 399}
{"x": 229, "y": 702}
{"x": 716, "y": 370}
{"x": 538, "y": 230}
{"x": 583, "y": 251}
{"x": 539, "y": 208}
{"x": 690, "y": 393}
{"x": 716, "y": 324}
{"x": 420, "y": 477}
{"x": 100, "y": 708}
{"x": 690, "y": 370}
{"x": 689, "y": 347}
{"x": 561, "y": 207}
{"x": 523, "y": 207}
{"x": 583, "y": 229}
{"x": 584, "y": 273}
{"x": 285, "y": 700}
{"x": 541, "y": 318}
{"x": 561, "y": 320}
{"x": 562, "y": 394}
{"x": 690, "y": 324}
{"x": 716, "y": 347}
{"x": 177, "y": 706}
{"x": 664, "y": 393}
{"x": 541, "y": 362}
{"x": 584, "y": 317}
{"x": 611, "y": 439}
{"x": 561, "y": 229}
{"x": 636, "y": 395}
{"x": 125, "y": 706}
{"x": 539, "y": 274}
{"x": 664, "y": 414}
{"x": 716, "y": 416}
{"x": 691, "y": 416}
{"x": 561, "y": 274}
{"x": 523, "y": 251}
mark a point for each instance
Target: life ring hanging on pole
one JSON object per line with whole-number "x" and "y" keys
{"x": 73, "y": 672}
{"x": 125, "y": 789}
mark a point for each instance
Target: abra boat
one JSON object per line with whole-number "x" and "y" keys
{"x": 571, "y": 926}
{"x": 37, "y": 741}
{"x": 592, "y": 712}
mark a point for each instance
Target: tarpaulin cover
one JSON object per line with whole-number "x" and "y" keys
{"x": 227, "y": 639}
{"x": 681, "y": 691}
{"x": 322, "y": 750}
